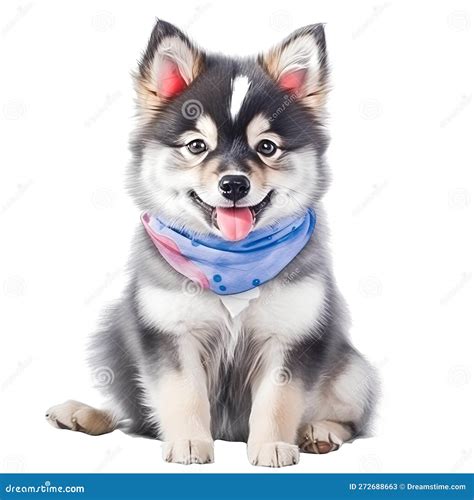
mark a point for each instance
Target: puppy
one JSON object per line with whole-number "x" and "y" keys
{"x": 231, "y": 326}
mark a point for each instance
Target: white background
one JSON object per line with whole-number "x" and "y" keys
{"x": 401, "y": 210}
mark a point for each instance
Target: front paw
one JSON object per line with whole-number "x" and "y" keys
{"x": 188, "y": 451}
{"x": 277, "y": 454}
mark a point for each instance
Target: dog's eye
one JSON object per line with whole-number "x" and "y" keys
{"x": 266, "y": 148}
{"x": 197, "y": 147}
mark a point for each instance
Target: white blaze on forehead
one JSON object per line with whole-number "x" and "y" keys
{"x": 240, "y": 87}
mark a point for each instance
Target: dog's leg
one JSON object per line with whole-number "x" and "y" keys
{"x": 76, "y": 416}
{"x": 182, "y": 406}
{"x": 343, "y": 406}
{"x": 274, "y": 419}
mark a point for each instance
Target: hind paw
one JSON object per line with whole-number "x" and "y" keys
{"x": 323, "y": 437}
{"x": 76, "y": 416}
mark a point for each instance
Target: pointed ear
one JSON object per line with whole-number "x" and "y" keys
{"x": 299, "y": 65}
{"x": 169, "y": 65}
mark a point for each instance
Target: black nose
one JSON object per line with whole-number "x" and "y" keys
{"x": 234, "y": 187}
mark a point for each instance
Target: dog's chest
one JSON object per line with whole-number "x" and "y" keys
{"x": 286, "y": 310}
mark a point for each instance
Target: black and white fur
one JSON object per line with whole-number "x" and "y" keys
{"x": 282, "y": 375}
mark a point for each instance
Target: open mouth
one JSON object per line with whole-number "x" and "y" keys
{"x": 234, "y": 223}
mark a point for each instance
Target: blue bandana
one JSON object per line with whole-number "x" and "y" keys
{"x": 230, "y": 267}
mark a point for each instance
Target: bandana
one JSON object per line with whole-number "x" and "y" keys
{"x": 231, "y": 267}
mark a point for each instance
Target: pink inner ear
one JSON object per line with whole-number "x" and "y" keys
{"x": 293, "y": 81}
{"x": 170, "y": 81}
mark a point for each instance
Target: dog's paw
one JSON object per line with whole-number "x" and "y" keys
{"x": 323, "y": 437}
{"x": 278, "y": 454}
{"x": 189, "y": 451}
{"x": 76, "y": 416}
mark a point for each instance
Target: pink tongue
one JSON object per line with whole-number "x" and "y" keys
{"x": 234, "y": 223}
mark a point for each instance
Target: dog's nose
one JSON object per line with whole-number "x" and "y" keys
{"x": 234, "y": 187}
